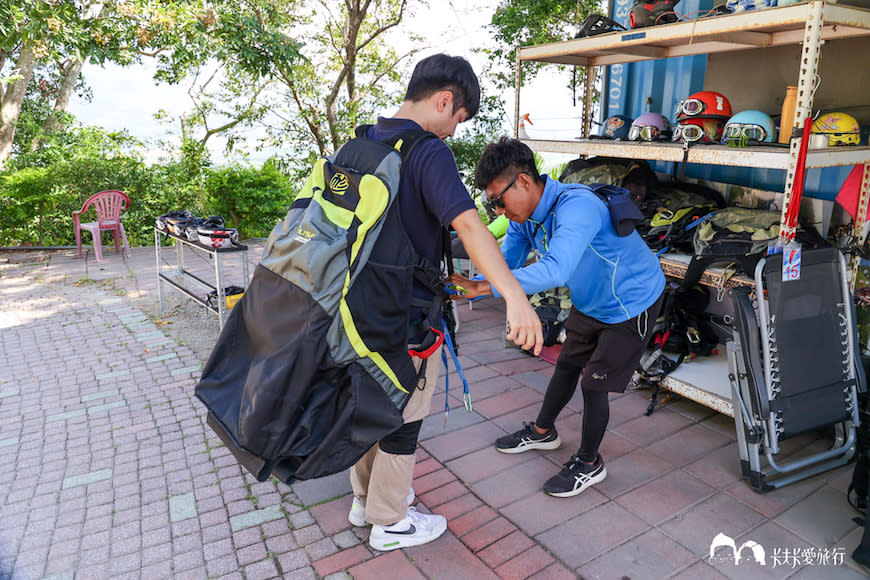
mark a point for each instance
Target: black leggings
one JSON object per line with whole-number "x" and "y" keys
{"x": 596, "y": 410}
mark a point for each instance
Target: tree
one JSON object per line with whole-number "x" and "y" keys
{"x": 19, "y": 45}
{"x": 349, "y": 73}
{"x": 51, "y": 40}
{"x": 230, "y": 70}
{"x": 307, "y": 96}
{"x": 518, "y": 23}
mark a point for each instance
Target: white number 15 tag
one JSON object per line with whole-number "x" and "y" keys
{"x": 791, "y": 263}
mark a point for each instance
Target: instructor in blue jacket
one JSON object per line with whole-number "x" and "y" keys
{"x": 616, "y": 287}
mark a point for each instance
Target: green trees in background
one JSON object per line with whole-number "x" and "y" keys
{"x": 37, "y": 199}
{"x": 45, "y": 43}
{"x": 518, "y": 23}
{"x": 303, "y": 73}
{"x": 241, "y": 62}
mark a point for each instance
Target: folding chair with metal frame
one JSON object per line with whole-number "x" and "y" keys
{"x": 792, "y": 367}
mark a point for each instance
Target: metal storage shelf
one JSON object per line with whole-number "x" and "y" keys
{"x": 787, "y": 25}
{"x": 712, "y": 372}
{"x": 179, "y": 276}
{"x": 808, "y": 25}
{"x": 770, "y": 157}
{"x": 745, "y": 30}
{"x": 675, "y": 265}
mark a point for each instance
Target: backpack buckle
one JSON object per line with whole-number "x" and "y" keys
{"x": 666, "y": 214}
{"x": 727, "y": 273}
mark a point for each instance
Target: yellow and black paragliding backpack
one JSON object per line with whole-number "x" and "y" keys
{"x": 312, "y": 367}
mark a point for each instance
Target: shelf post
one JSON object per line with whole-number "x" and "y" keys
{"x": 517, "y": 95}
{"x": 810, "y": 50}
{"x": 858, "y": 224}
{"x": 589, "y": 72}
{"x": 221, "y": 293}
{"x": 157, "y": 240}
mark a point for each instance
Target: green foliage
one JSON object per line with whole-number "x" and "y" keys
{"x": 40, "y": 189}
{"x": 553, "y": 171}
{"x": 518, "y": 23}
{"x": 21, "y": 193}
{"x": 346, "y": 75}
{"x": 69, "y": 142}
{"x": 474, "y": 136}
{"x": 252, "y": 200}
{"x": 308, "y": 97}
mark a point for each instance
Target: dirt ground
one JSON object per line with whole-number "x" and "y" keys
{"x": 187, "y": 322}
{"x": 184, "y": 320}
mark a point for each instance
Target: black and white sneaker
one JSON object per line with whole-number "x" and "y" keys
{"x": 575, "y": 477}
{"x": 415, "y": 529}
{"x": 527, "y": 438}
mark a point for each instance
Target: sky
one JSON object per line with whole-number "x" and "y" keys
{"x": 128, "y": 97}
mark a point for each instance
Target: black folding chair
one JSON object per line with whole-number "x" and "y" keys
{"x": 792, "y": 368}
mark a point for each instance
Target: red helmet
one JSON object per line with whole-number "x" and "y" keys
{"x": 705, "y": 104}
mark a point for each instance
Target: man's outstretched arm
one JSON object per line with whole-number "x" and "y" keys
{"x": 524, "y": 324}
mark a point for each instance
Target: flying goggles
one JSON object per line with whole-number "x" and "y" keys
{"x": 693, "y": 107}
{"x": 735, "y": 132}
{"x": 690, "y": 133}
{"x": 646, "y": 133}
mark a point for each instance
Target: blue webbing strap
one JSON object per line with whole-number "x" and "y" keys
{"x": 466, "y": 395}
{"x": 691, "y": 225}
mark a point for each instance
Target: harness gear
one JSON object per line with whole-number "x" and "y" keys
{"x": 650, "y": 13}
{"x": 597, "y": 24}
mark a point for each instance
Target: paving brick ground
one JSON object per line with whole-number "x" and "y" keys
{"x": 108, "y": 470}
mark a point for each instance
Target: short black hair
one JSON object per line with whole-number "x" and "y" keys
{"x": 505, "y": 158}
{"x": 441, "y": 72}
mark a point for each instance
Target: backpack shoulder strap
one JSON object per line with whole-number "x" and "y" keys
{"x": 403, "y": 142}
{"x": 360, "y": 132}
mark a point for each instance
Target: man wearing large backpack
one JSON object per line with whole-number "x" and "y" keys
{"x": 616, "y": 287}
{"x": 443, "y": 91}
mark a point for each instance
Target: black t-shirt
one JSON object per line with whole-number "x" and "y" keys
{"x": 431, "y": 193}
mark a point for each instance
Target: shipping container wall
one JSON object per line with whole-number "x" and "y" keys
{"x": 754, "y": 79}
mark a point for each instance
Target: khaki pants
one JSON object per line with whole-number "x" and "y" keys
{"x": 382, "y": 480}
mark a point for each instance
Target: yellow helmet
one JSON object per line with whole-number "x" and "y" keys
{"x": 841, "y": 129}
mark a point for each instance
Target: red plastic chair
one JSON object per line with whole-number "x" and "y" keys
{"x": 108, "y": 205}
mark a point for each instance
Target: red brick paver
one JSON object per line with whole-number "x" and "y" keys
{"x": 488, "y": 533}
{"x": 472, "y": 520}
{"x": 81, "y": 396}
{"x": 342, "y": 560}
{"x": 505, "y": 549}
{"x": 332, "y": 516}
{"x": 525, "y": 564}
{"x": 393, "y": 564}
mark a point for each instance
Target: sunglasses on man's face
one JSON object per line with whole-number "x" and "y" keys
{"x": 490, "y": 205}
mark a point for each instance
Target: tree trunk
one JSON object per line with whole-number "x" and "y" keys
{"x": 71, "y": 74}
{"x": 10, "y": 108}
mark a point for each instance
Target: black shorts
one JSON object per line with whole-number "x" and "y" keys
{"x": 608, "y": 354}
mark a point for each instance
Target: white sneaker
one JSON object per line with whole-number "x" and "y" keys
{"x": 357, "y": 515}
{"x": 417, "y": 528}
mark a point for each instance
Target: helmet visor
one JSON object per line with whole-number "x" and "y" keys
{"x": 646, "y": 133}
{"x": 690, "y": 107}
{"x": 739, "y": 131}
{"x": 850, "y": 138}
{"x": 688, "y": 133}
